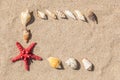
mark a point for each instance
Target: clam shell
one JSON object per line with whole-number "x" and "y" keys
{"x": 61, "y": 14}
{"x": 72, "y": 63}
{"x": 80, "y": 15}
{"x": 70, "y": 14}
{"x": 26, "y": 35}
{"x": 25, "y": 17}
{"x": 42, "y": 15}
{"x": 51, "y": 14}
{"x": 54, "y": 62}
{"x": 87, "y": 64}
{"x": 92, "y": 16}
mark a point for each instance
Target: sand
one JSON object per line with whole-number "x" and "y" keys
{"x": 100, "y": 43}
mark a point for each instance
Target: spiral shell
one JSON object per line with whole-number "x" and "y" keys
{"x": 26, "y": 35}
{"x": 25, "y": 17}
{"x": 51, "y": 14}
{"x": 42, "y": 15}
{"x": 54, "y": 62}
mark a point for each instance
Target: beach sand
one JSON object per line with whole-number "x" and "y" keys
{"x": 100, "y": 43}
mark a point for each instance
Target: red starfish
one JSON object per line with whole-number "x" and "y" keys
{"x": 26, "y": 54}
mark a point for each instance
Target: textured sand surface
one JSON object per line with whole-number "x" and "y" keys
{"x": 63, "y": 39}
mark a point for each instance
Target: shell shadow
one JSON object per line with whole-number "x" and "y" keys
{"x": 78, "y": 65}
{"x": 93, "y": 67}
{"x": 32, "y": 19}
{"x": 62, "y": 67}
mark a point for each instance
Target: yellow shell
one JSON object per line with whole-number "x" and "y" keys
{"x": 26, "y": 35}
{"x": 54, "y": 62}
{"x": 25, "y": 17}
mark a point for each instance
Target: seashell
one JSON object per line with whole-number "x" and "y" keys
{"x": 80, "y": 15}
{"x": 26, "y": 35}
{"x": 54, "y": 62}
{"x": 61, "y": 14}
{"x": 25, "y": 17}
{"x": 72, "y": 63}
{"x": 51, "y": 14}
{"x": 87, "y": 64}
{"x": 92, "y": 16}
{"x": 42, "y": 15}
{"x": 70, "y": 14}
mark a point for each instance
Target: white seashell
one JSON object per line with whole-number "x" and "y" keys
{"x": 51, "y": 14}
{"x": 25, "y": 17}
{"x": 61, "y": 14}
{"x": 72, "y": 63}
{"x": 87, "y": 64}
{"x": 42, "y": 15}
{"x": 70, "y": 14}
{"x": 80, "y": 15}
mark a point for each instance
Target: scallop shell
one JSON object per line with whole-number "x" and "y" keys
{"x": 72, "y": 63}
{"x": 26, "y": 35}
{"x": 42, "y": 15}
{"x": 25, "y": 17}
{"x": 54, "y": 62}
{"x": 51, "y": 14}
{"x": 87, "y": 64}
{"x": 80, "y": 15}
{"x": 61, "y": 14}
{"x": 92, "y": 16}
{"x": 70, "y": 14}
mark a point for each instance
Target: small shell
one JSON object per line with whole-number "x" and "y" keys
{"x": 54, "y": 62}
{"x": 70, "y": 14}
{"x": 92, "y": 16}
{"x": 61, "y": 14}
{"x": 25, "y": 17}
{"x": 80, "y": 15}
{"x": 51, "y": 14}
{"x": 26, "y": 35}
{"x": 87, "y": 64}
{"x": 72, "y": 63}
{"x": 42, "y": 15}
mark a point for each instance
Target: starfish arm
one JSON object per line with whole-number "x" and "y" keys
{"x": 26, "y": 65}
{"x": 20, "y": 47}
{"x": 16, "y": 58}
{"x": 31, "y": 46}
{"x": 35, "y": 57}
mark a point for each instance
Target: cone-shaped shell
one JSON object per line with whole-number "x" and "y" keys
{"x": 92, "y": 16}
{"x": 51, "y": 14}
{"x": 70, "y": 14}
{"x": 80, "y": 15}
{"x": 72, "y": 63}
{"x": 61, "y": 14}
{"x": 26, "y": 35}
{"x": 87, "y": 64}
{"x": 25, "y": 17}
{"x": 42, "y": 15}
{"x": 54, "y": 62}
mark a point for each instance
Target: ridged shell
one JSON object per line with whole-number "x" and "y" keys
{"x": 26, "y": 35}
{"x": 42, "y": 15}
{"x": 87, "y": 64}
{"x": 61, "y": 14}
{"x": 54, "y": 62}
{"x": 72, "y": 63}
{"x": 70, "y": 14}
{"x": 92, "y": 16}
{"x": 25, "y": 17}
{"x": 80, "y": 15}
{"x": 51, "y": 14}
